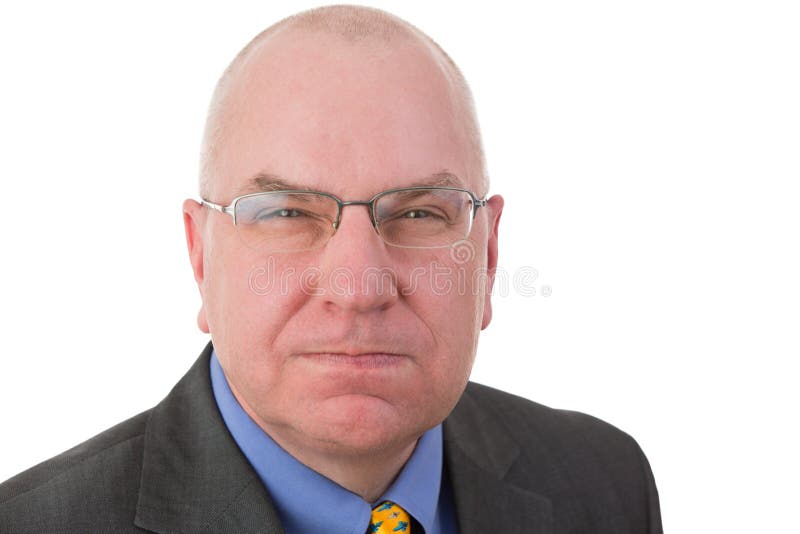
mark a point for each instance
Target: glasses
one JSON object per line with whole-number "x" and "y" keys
{"x": 409, "y": 217}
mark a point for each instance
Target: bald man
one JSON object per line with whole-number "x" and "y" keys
{"x": 342, "y": 164}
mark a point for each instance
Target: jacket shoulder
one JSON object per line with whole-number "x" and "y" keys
{"x": 94, "y": 483}
{"x": 593, "y": 473}
{"x": 527, "y": 420}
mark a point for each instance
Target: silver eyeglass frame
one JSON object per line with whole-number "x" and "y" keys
{"x": 230, "y": 209}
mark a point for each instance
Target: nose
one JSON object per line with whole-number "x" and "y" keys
{"x": 357, "y": 272}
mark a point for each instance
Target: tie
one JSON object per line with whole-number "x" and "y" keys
{"x": 389, "y": 518}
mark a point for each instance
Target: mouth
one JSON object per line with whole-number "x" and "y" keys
{"x": 364, "y": 360}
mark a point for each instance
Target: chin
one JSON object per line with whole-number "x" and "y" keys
{"x": 362, "y": 423}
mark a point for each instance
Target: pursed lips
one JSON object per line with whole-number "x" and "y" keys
{"x": 361, "y": 359}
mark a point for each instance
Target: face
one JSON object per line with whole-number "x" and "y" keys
{"x": 320, "y": 353}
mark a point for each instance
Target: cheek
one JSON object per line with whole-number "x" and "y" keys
{"x": 251, "y": 304}
{"x": 248, "y": 301}
{"x": 450, "y": 292}
{"x": 449, "y": 302}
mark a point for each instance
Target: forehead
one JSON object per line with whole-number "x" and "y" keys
{"x": 349, "y": 118}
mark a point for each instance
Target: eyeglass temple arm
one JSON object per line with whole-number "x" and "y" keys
{"x": 479, "y": 203}
{"x": 218, "y": 207}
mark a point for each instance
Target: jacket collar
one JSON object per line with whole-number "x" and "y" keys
{"x": 194, "y": 477}
{"x": 477, "y": 462}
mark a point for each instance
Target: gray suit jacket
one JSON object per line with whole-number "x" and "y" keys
{"x": 514, "y": 467}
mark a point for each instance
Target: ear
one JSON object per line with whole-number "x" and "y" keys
{"x": 494, "y": 208}
{"x": 194, "y": 223}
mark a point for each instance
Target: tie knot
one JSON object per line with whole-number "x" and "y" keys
{"x": 389, "y": 518}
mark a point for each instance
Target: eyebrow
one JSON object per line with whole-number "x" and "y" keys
{"x": 272, "y": 182}
{"x": 441, "y": 178}
{"x": 267, "y": 182}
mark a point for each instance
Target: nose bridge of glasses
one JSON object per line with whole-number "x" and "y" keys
{"x": 368, "y": 203}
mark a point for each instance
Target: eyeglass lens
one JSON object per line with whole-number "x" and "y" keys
{"x": 294, "y": 221}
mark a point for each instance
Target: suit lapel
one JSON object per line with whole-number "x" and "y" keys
{"x": 194, "y": 477}
{"x": 478, "y": 454}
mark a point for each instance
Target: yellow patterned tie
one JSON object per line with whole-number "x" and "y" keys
{"x": 389, "y": 518}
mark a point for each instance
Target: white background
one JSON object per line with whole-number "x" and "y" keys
{"x": 649, "y": 154}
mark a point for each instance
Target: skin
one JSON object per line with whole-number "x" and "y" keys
{"x": 345, "y": 382}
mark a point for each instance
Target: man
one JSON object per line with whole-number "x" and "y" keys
{"x": 342, "y": 170}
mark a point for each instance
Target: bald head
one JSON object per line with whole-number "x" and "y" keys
{"x": 370, "y": 32}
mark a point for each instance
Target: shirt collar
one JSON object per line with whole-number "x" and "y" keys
{"x": 295, "y": 488}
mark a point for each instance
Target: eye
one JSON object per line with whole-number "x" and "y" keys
{"x": 284, "y": 213}
{"x": 416, "y": 214}
{"x": 432, "y": 214}
{"x": 289, "y": 213}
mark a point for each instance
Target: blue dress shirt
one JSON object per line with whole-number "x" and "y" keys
{"x": 296, "y": 489}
